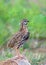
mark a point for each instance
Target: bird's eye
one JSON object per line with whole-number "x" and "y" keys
{"x": 25, "y": 23}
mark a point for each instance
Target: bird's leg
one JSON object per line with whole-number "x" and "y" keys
{"x": 17, "y": 51}
{"x": 18, "y": 54}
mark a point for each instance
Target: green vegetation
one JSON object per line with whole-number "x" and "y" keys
{"x": 11, "y": 14}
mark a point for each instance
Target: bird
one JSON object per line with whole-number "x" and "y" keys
{"x": 19, "y": 38}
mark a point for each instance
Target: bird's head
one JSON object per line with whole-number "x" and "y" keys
{"x": 25, "y": 21}
{"x": 23, "y": 24}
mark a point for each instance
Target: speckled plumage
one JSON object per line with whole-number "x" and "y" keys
{"x": 20, "y": 37}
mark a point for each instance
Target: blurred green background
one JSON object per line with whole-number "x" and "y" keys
{"x": 11, "y": 14}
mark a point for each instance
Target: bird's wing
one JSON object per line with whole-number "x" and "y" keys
{"x": 14, "y": 40}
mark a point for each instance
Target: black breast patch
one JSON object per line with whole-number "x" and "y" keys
{"x": 25, "y": 37}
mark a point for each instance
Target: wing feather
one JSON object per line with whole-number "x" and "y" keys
{"x": 14, "y": 40}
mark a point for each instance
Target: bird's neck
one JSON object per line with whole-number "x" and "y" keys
{"x": 23, "y": 28}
